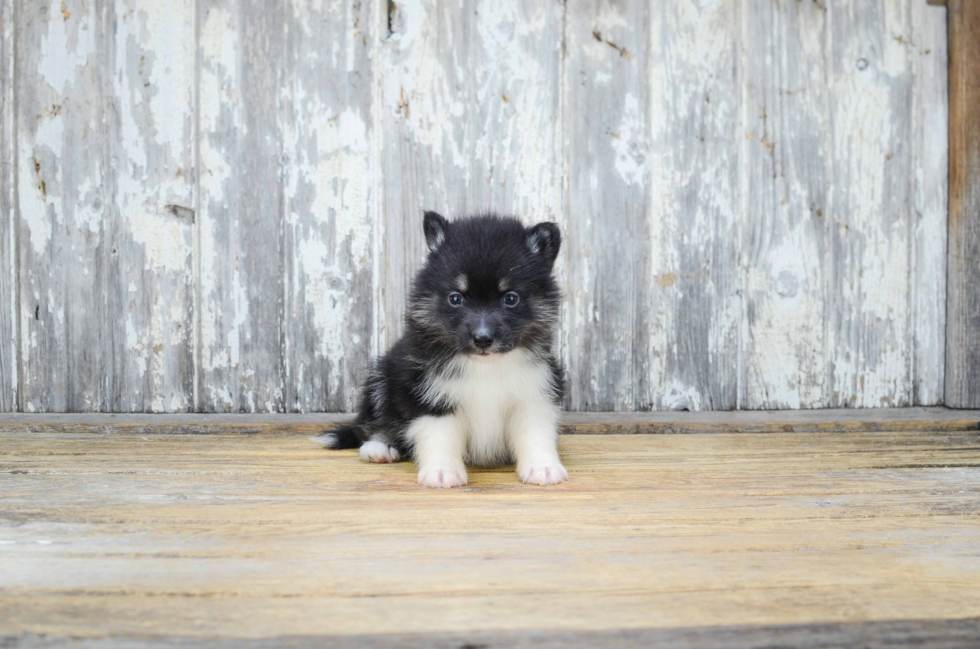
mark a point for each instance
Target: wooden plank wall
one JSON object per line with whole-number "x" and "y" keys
{"x": 215, "y": 205}
{"x": 963, "y": 351}
{"x": 8, "y": 269}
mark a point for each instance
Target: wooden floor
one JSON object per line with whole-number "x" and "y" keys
{"x": 122, "y": 536}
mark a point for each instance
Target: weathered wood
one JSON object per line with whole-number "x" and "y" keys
{"x": 870, "y": 216}
{"x": 930, "y": 107}
{"x": 149, "y": 217}
{"x": 842, "y": 283}
{"x": 62, "y": 190}
{"x": 888, "y": 634}
{"x": 105, "y": 125}
{"x": 472, "y": 121}
{"x": 963, "y": 272}
{"x": 785, "y": 421}
{"x": 220, "y": 536}
{"x": 608, "y": 234}
{"x": 574, "y": 423}
{"x": 241, "y": 258}
{"x": 8, "y": 258}
{"x": 788, "y": 162}
{"x": 696, "y": 124}
{"x": 333, "y": 225}
{"x": 216, "y": 205}
{"x": 651, "y": 275}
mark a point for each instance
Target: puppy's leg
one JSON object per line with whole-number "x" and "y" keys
{"x": 377, "y": 449}
{"x": 533, "y": 436}
{"x": 439, "y": 446}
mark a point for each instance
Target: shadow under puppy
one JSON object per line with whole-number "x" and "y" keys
{"x": 474, "y": 378}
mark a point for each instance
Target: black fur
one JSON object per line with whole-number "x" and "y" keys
{"x": 486, "y": 249}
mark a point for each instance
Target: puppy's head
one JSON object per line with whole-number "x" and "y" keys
{"x": 486, "y": 287}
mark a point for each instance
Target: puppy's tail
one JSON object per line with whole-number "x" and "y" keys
{"x": 347, "y": 436}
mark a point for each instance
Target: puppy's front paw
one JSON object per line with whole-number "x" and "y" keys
{"x": 542, "y": 473}
{"x": 375, "y": 451}
{"x": 442, "y": 475}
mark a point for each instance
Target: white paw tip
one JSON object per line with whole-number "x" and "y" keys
{"x": 374, "y": 451}
{"x": 327, "y": 439}
{"x": 544, "y": 474}
{"x": 440, "y": 477}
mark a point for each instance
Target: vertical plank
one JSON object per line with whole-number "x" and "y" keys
{"x": 8, "y": 257}
{"x": 871, "y": 224}
{"x": 843, "y": 305}
{"x": 241, "y": 264}
{"x": 962, "y": 293}
{"x": 651, "y": 122}
{"x": 931, "y": 173}
{"x": 150, "y": 218}
{"x": 61, "y": 176}
{"x": 787, "y": 169}
{"x": 693, "y": 268}
{"x": 607, "y": 136}
{"x": 332, "y": 221}
{"x": 472, "y": 123}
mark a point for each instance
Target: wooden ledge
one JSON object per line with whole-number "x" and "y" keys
{"x": 592, "y": 423}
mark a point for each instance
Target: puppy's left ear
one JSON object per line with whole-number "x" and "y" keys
{"x": 544, "y": 239}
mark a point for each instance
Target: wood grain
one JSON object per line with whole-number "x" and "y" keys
{"x": 581, "y": 423}
{"x": 216, "y": 205}
{"x": 892, "y": 634}
{"x": 963, "y": 272}
{"x": 9, "y": 271}
{"x": 136, "y": 535}
{"x": 62, "y": 191}
{"x": 332, "y": 222}
{"x": 471, "y": 99}
{"x": 105, "y": 159}
{"x": 930, "y": 158}
{"x": 871, "y": 211}
{"x": 695, "y": 123}
{"x": 651, "y": 210}
{"x": 786, "y": 254}
{"x": 842, "y": 286}
{"x": 607, "y": 233}
{"x": 241, "y": 258}
{"x": 149, "y": 218}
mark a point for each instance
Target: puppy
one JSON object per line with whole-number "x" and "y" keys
{"x": 474, "y": 379}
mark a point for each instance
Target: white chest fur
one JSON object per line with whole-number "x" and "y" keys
{"x": 492, "y": 398}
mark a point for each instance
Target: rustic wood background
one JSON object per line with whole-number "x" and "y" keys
{"x": 963, "y": 270}
{"x": 216, "y": 205}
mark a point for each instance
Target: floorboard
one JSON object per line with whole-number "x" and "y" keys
{"x": 127, "y": 536}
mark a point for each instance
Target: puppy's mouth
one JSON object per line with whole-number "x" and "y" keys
{"x": 487, "y": 354}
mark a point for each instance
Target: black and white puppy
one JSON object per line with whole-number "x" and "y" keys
{"x": 474, "y": 379}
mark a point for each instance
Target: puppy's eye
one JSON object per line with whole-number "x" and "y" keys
{"x": 455, "y": 299}
{"x": 511, "y": 299}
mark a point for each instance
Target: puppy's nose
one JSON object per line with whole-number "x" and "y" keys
{"x": 482, "y": 339}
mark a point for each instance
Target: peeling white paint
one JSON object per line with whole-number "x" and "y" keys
{"x": 630, "y": 143}
{"x": 34, "y": 210}
{"x": 809, "y": 266}
{"x": 344, "y": 146}
{"x": 677, "y": 396}
{"x": 65, "y": 47}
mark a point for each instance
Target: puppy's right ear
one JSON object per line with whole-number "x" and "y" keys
{"x": 435, "y": 227}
